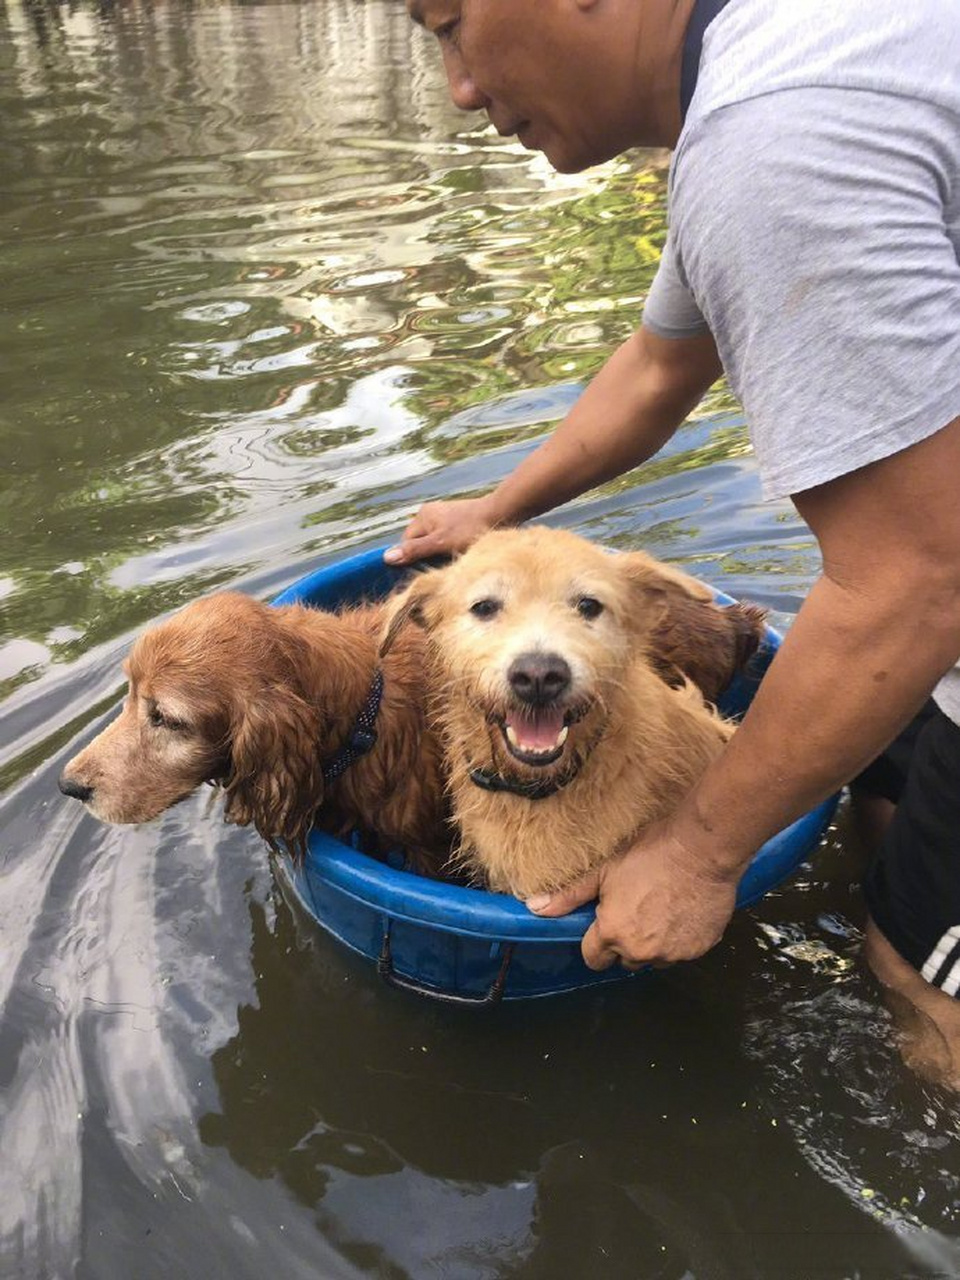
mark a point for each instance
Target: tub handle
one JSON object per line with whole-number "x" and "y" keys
{"x": 393, "y": 979}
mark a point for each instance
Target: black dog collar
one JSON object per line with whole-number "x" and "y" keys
{"x": 532, "y": 790}
{"x": 362, "y": 737}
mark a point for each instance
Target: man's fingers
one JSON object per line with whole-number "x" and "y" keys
{"x": 413, "y": 549}
{"x": 597, "y": 954}
{"x": 566, "y": 900}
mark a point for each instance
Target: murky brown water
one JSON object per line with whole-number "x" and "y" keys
{"x": 263, "y": 292}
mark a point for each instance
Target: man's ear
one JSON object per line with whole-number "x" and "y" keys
{"x": 416, "y": 603}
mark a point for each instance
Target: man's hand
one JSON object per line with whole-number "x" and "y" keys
{"x": 442, "y": 528}
{"x": 658, "y": 903}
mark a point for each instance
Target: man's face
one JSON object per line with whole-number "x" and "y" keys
{"x": 532, "y": 65}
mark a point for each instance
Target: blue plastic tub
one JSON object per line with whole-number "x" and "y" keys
{"x": 463, "y": 944}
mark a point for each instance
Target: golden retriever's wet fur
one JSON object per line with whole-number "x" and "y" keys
{"x": 257, "y": 699}
{"x": 521, "y": 614}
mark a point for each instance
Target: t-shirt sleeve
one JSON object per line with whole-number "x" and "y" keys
{"x": 671, "y": 310}
{"x": 819, "y": 231}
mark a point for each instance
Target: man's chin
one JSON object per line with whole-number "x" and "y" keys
{"x": 570, "y": 155}
{"x": 566, "y": 160}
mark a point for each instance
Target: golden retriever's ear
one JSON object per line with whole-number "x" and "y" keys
{"x": 658, "y": 591}
{"x": 416, "y": 603}
{"x": 275, "y": 776}
{"x": 654, "y": 576}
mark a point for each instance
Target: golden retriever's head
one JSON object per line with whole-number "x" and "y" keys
{"x": 532, "y": 631}
{"x": 214, "y": 695}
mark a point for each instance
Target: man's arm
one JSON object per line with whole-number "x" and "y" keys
{"x": 877, "y": 631}
{"x": 630, "y": 409}
{"x": 875, "y": 634}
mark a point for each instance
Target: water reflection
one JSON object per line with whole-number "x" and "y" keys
{"x": 505, "y": 1144}
{"x": 265, "y": 292}
{"x": 194, "y": 299}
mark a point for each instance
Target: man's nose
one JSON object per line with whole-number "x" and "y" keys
{"x": 464, "y": 93}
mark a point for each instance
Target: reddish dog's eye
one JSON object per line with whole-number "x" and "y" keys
{"x": 487, "y": 608}
{"x": 589, "y": 608}
{"x": 449, "y": 31}
{"x": 160, "y": 721}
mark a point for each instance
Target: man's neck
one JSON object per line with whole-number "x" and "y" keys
{"x": 704, "y": 12}
{"x": 660, "y": 42}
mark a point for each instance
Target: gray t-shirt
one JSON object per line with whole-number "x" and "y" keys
{"x": 815, "y": 230}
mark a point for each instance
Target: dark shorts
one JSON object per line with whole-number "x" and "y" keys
{"x": 912, "y": 887}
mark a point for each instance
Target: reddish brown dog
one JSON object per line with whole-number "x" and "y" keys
{"x": 258, "y": 700}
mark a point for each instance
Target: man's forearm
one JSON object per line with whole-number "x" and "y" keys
{"x": 630, "y": 409}
{"x": 850, "y": 674}
{"x": 872, "y": 639}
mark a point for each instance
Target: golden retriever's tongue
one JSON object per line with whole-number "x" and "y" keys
{"x": 538, "y": 732}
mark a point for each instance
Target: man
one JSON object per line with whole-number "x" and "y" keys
{"x": 813, "y": 254}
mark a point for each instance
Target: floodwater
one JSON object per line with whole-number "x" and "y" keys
{"x": 264, "y": 292}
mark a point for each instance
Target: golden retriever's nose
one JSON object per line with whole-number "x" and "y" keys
{"x": 539, "y": 678}
{"x": 75, "y": 789}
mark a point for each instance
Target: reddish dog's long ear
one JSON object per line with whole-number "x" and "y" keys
{"x": 416, "y": 603}
{"x": 275, "y": 778}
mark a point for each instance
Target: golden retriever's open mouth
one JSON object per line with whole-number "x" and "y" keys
{"x": 537, "y": 736}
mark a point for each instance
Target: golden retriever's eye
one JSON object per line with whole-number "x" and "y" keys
{"x": 486, "y": 608}
{"x": 589, "y": 608}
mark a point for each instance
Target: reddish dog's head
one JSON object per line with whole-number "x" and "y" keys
{"x": 215, "y": 694}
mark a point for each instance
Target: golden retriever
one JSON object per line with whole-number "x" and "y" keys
{"x": 561, "y": 740}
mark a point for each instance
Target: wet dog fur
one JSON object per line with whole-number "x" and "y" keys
{"x": 540, "y": 673}
{"x": 256, "y": 699}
